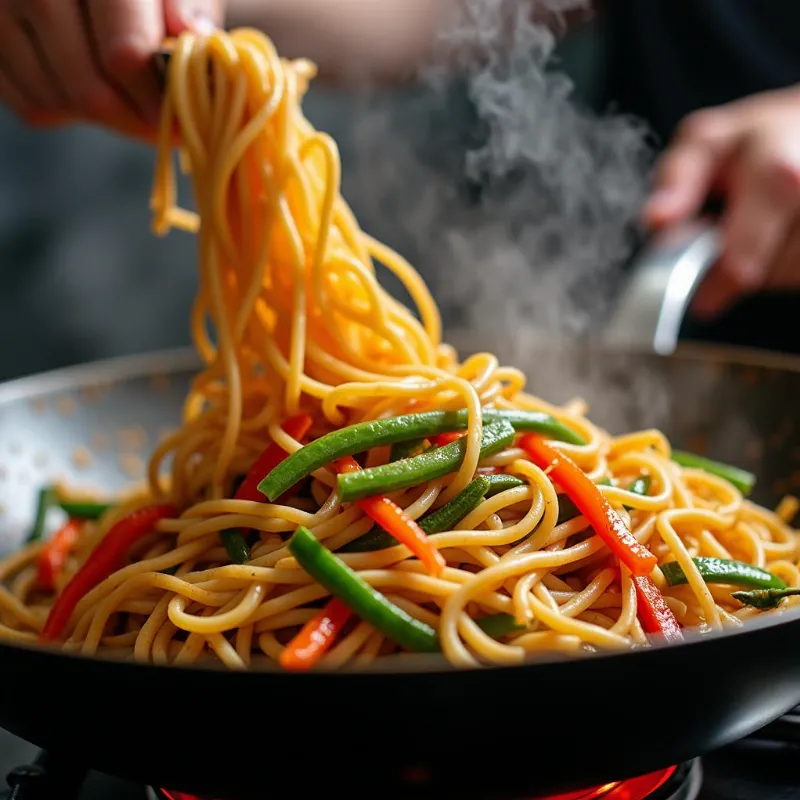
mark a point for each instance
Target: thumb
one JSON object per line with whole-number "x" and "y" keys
{"x": 199, "y": 16}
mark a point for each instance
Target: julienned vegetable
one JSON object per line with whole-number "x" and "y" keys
{"x": 106, "y": 558}
{"x": 653, "y": 612}
{"x": 422, "y": 468}
{"x": 723, "y": 570}
{"x": 43, "y": 501}
{"x": 234, "y": 540}
{"x": 500, "y": 482}
{"x": 52, "y": 556}
{"x": 498, "y": 625}
{"x": 395, "y": 521}
{"x": 588, "y": 499}
{"x": 316, "y": 636}
{"x": 443, "y": 519}
{"x": 82, "y": 509}
{"x": 376, "y": 433}
{"x": 765, "y": 599}
{"x": 743, "y": 480}
{"x": 366, "y": 602}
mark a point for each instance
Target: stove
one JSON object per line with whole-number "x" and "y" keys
{"x": 765, "y": 766}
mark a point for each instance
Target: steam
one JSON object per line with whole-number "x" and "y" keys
{"x": 517, "y": 205}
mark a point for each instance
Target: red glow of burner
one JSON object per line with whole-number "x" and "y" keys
{"x": 634, "y": 789}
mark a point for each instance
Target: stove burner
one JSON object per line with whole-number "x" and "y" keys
{"x": 674, "y": 783}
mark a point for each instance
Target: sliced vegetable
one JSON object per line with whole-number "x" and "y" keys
{"x": 498, "y": 625}
{"x": 234, "y": 540}
{"x": 236, "y": 546}
{"x": 653, "y": 612}
{"x": 365, "y": 601}
{"x": 379, "y": 432}
{"x": 315, "y": 637}
{"x": 445, "y": 518}
{"x": 501, "y": 483}
{"x": 743, "y": 480}
{"x": 422, "y": 468}
{"x": 105, "y": 559}
{"x": 43, "y": 501}
{"x": 447, "y": 438}
{"x": 765, "y": 599}
{"x": 406, "y": 449}
{"x": 82, "y": 509}
{"x": 54, "y": 553}
{"x": 723, "y": 570}
{"x": 567, "y": 510}
{"x": 396, "y": 522}
{"x": 588, "y": 499}
{"x": 640, "y": 486}
{"x": 296, "y": 427}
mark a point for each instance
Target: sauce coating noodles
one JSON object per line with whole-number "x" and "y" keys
{"x": 290, "y": 317}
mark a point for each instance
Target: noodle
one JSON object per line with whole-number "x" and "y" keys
{"x": 289, "y": 316}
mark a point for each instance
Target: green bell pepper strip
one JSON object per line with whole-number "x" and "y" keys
{"x": 765, "y": 599}
{"x": 365, "y": 601}
{"x": 743, "y": 480}
{"x": 443, "y": 519}
{"x": 501, "y": 482}
{"x": 723, "y": 570}
{"x": 376, "y": 433}
{"x": 497, "y": 625}
{"x": 235, "y": 545}
{"x": 422, "y": 468}
{"x": 83, "y": 509}
{"x": 43, "y": 501}
{"x": 407, "y": 449}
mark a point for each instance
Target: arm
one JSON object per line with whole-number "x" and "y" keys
{"x": 356, "y": 40}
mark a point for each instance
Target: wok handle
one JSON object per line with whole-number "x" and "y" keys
{"x": 663, "y": 279}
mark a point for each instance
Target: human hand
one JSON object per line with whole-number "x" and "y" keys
{"x": 91, "y": 60}
{"x": 749, "y": 152}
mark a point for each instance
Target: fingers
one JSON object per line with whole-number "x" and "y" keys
{"x": 30, "y": 82}
{"x": 686, "y": 173}
{"x": 763, "y": 202}
{"x": 122, "y": 37}
{"x": 785, "y": 270}
{"x": 200, "y": 16}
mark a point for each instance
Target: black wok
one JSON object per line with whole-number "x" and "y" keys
{"x": 512, "y": 731}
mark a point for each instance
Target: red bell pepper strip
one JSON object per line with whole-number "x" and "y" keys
{"x": 234, "y": 540}
{"x": 54, "y": 553}
{"x": 653, "y": 612}
{"x": 105, "y": 559}
{"x": 297, "y": 427}
{"x": 395, "y": 521}
{"x": 315, "y": 637}
{"x": 447, "y": 438}
{"x": 592, "y": 504}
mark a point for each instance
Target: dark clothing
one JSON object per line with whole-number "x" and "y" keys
{"x": 670, "y": 57}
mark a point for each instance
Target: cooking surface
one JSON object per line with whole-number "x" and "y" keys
{"x": 750, "y": 770}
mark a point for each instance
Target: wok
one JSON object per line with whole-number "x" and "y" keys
{"x": 510, "y": 731}
{"x": 429, "y": 730}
